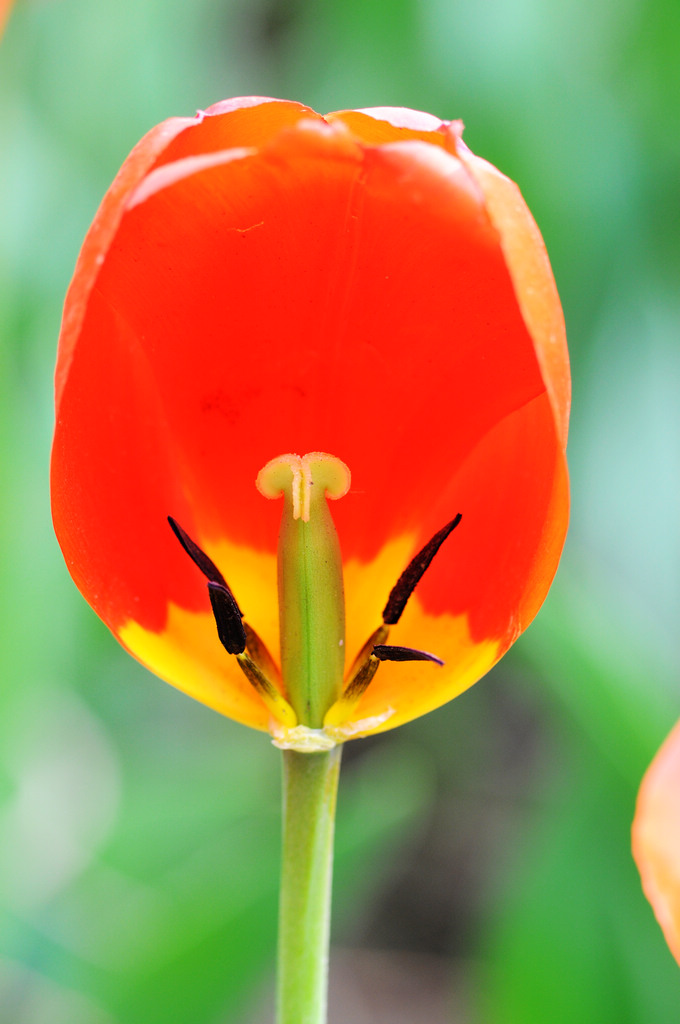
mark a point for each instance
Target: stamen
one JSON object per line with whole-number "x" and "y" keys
{"x": 236, "y": 636}
{"x": 258, "y": 651}
{"x": 385, "y": 652}
{"x": 379, "y": 636}
{"x": 228, "y": 618}
{"x": 270, "y": 696}
{"x": 375, "y": 649}
{"x": 359, "y": 684}
{"x": 205, "y": 564}
{"x": 227, "y": 613}
{"x": 413, "y": 573}
{"x": 339, "y": 712}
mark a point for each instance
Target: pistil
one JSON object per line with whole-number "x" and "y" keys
{"x": 310, "y": 583}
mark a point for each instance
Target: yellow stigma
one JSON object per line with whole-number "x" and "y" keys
{"x": 301, "y": 474}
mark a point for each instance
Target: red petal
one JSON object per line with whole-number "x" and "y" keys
{"x": 245, "y": 121}
{"x": 377, "y": 125}
{"x": 656, "y": 838}
{"x": 533, "y": 280}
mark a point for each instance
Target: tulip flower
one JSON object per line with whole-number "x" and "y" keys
{"x": 656, "y": 838}
{"x": 262, "y": 280}
{"x": 350, "y": 307}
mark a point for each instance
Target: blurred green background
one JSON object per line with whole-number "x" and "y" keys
{"x": 483, "y": 869}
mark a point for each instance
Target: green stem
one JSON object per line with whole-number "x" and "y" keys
{"x": 309, "y": 794}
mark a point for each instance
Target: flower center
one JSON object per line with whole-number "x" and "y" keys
{"x": 312, "y": 702}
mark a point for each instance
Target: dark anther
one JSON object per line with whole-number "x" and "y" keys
{"x": 205, "y": 564}
{"x": 228, "y": 618}
{"x": 384, "y": 652}
{"x": 413, "y": 573}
